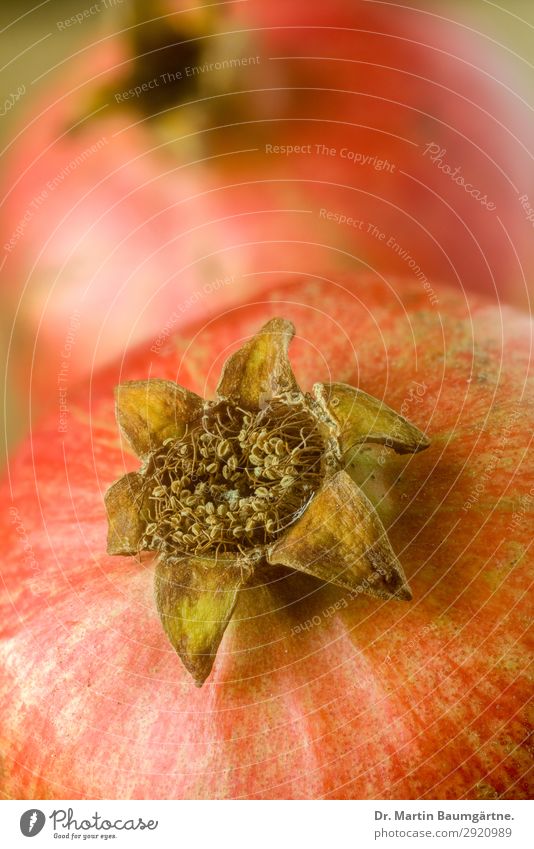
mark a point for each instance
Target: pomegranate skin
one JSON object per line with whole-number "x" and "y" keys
{"x": 313, "y": 695}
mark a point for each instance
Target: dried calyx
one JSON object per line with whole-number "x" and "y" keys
{"x": 255, "y": 477}
{"x": 166, "y": 55}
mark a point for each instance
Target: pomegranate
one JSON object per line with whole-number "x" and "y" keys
{"x": 315, "y": 692}
{"x": 302, "y": 135}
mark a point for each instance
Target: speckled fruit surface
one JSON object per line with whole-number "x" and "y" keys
{"x": 313, "y": 694}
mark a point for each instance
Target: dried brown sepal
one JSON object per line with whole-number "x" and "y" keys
{"x": 362, "y": 418}
{"x": 341, "y": 540}
{"x": 196, "y": 597}
{"x": 124, "y": 509}
{"x": 149, "y": 411}
{"x": 260, "y": 370}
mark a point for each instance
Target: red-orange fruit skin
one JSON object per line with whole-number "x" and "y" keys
{"x": 426, "y": 699}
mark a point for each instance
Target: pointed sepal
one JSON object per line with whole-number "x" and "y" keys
{"x": 196, "y": 597}
{"x": 149, "y": 411}
{"x": 260, "y": 370}
{"x": 124, "y": 503}
{"x": 362, "y": 418}
{"x": 341, "y": 540}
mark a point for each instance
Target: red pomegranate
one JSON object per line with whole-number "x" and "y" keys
{"x": 314, "y": 694}
{"x": 123, "y": 209}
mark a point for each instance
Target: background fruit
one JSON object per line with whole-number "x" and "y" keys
{"x": 313, "y": 695}
{"x": 180, "y": 191}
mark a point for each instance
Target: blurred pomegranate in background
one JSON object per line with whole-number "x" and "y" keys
{"x": 171, "y": 163}
{"x": 414, "y": 129}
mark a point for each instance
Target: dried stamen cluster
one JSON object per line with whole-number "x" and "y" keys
{"x": 253, "y": 480}
{"x": 234, "y": 481}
